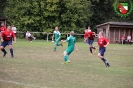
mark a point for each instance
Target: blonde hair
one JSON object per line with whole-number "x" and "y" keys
{"x": 102, "y": 33}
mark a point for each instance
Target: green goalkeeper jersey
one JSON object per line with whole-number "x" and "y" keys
{"x": 57, "y": 35}
{"x": 71, "y": 41}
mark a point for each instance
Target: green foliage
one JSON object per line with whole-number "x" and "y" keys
{"x": 44, "y": 15}
{"x": 40, "y": 15}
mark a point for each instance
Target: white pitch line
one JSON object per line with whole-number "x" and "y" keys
{"x": 22, "y": 84}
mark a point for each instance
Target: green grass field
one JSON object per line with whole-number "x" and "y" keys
{"x": 36, "y": 66}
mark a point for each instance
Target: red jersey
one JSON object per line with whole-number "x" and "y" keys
{"x": 91, "y": 35}
{"x": 85, "y": 35}
{"x": 3, "y": 28}
{"x": 102, "y": 41}
{"x": 122, "y": 37}
{"x": 7, "y": 35}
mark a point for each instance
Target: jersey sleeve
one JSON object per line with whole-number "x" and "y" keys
{"x": 13, "y": 34}
{"x": 106, "y": 40}
{"x": 85, "y": 35}
{"x": 67, "y": 39}
{"x": 59, "y": 34}
{"x": 2, "y": 34}
{"x": 5, "y": 28}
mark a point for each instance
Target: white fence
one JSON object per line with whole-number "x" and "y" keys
{"x": 48, "y": 34}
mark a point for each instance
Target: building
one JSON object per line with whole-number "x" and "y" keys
{"x": 113, "y": 30}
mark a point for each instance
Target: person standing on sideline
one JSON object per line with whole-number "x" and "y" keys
{"x": 71, "y": 45}
{"x": 56, "y": 37}
{"x": 14, "y": 29}
{"x": 6, "y": 39}
{"x": 102, "y": 43}
{"x": 29, "y": 36}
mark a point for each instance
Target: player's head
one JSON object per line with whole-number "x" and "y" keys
{"x": 101, "y": 33}
{"x": 72, "y": 33}
{"x": 85, "y": 30}
{"x": 8, "y": 27}
{"x": 56, "y": 28}
{"x": 2, "y": 24}
{"x": 89, "y": 29}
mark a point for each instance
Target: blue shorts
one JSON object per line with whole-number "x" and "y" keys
{"x": 90, "y": 42}
{"x": 102, "y": 50}
{"x": 5, "y": 43}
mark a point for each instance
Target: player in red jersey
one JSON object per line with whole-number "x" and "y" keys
{"x": 6, "y": 39}
{"x": 103, "y": 43}
{"x": 89, "y": 38}
{"x": 2, "y": 27}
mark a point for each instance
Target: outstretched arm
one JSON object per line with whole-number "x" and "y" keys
{"x": 15, "y": 40}
{"x": 75, "y": 46}
{"x": 53, "y": 38}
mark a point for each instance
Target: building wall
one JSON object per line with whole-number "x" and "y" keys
{"x": 116, "y": 32}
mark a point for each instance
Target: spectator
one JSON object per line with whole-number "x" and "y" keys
{"x": 29, "y": 36}
{"x": 123, "y": 39}
{"x": 14, "y": 29}
{"x": 129, "y": 38}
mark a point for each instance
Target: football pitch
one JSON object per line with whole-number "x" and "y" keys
{"x": 35, "y": 65}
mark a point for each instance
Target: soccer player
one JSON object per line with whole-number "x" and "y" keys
{"x": 6, "y": 39}
{"x": 103, "y": 43}
{"x": 3, "y": 27}
{"x": 71, "y": 45}
{"x": 56, "y": 37}
{"x": 89, "y": 37}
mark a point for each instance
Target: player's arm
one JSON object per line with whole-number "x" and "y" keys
{"x": 2, "y": 40}
{"x": 107, "y": 43}
{"x": 85, "y": 37}
{"x": 14, "y": 36}
{"x": 53, "y": 37}
{"x": 15, "y": 39}
{"x": 75, "y": 46}
{"x": 94, "y": 34}
{"x": 63, "y": 41}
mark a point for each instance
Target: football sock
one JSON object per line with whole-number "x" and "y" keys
{"x": 90, "y": 50}
{"x": 93, "y": 47}
{"x": 104, "y": 60}
{"x": 58, "y": 44}
{"x": 3, "y": 50}
{"x": 11, "y": 51}
{"x": 55, "y": 48}
{"x": 65, "y": 58}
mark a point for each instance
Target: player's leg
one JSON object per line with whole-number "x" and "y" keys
{"x": 10, "y": 47}
{"x": 101, "y": 55}
{"x": 90, "y": 46}
{"x": 55, "y": 45}
{"x": 66, "y": 54}
{"x": 2, "y": 47}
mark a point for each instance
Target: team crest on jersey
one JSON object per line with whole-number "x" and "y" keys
{"x": 123, "y": 8}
